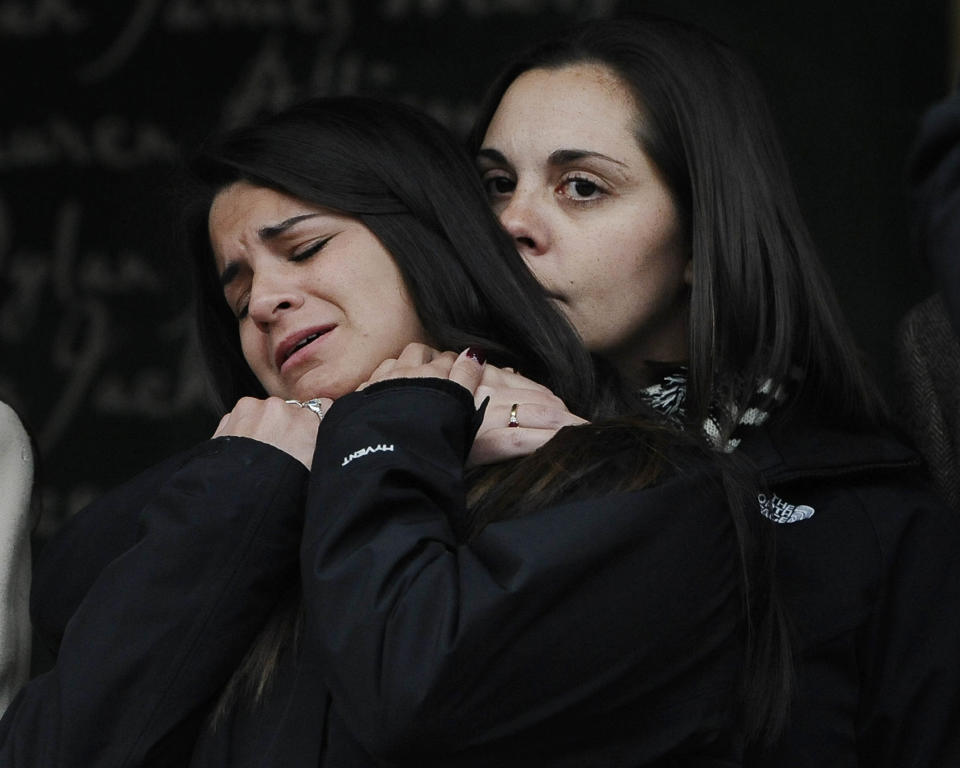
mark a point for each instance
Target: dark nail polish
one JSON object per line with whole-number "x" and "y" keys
{"x": 477, "y": 354}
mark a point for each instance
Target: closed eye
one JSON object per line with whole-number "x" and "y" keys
{"x": 312, "y": 250}
{"x": 240, "y": 311}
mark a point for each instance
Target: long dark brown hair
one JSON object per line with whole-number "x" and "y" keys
{"x": 405, "y": 178}
{"x": 761, "y": 305}
{"x": 765, "y": 329}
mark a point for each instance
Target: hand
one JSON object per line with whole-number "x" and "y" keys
{"x": 417, "y": 361}
{"x": 272, "y": 421}
{"x": 540, "y": 413}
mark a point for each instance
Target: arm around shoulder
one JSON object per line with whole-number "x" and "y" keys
{"x": 597, "y": 611}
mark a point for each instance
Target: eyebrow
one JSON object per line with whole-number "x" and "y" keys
{"x": 557, "y": 157}
{"x": 266, "y": 234}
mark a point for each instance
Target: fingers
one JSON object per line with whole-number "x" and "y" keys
{"x": 530, "y": 415}
{"x": 494, "y": 377}
{"x": 415, "y": 361}
{"x": 496, "y": 445}
{"x": 537, "y": 423}
{"x": 467, "y": 369}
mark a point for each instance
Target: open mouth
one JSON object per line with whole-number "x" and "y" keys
{"x": 289, "y": 348}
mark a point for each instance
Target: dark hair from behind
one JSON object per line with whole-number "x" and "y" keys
{"x": 409, "y": 182}
{"x": 762, "y": 307}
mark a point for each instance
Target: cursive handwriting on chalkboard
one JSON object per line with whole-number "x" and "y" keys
{"x": 196, "y": 16}
{"x": 76, "y": 288}
{"x": 34, "y": 18}
{"x": 114, "y": 142}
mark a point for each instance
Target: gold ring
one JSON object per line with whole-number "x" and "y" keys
{"x": 514, "y": 421}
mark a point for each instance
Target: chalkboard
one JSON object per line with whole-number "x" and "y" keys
{"x": 99, "y": 99}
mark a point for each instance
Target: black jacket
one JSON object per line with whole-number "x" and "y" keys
{"x": 870, "y": 573}
{"x": 600, "y": 632}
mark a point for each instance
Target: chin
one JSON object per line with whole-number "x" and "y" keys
{"x": 322, "y": 386}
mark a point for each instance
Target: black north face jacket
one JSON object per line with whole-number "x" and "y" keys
{"x": 869, "y": 570}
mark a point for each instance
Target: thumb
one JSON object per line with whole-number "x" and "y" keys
{"x": 467, "y": 369}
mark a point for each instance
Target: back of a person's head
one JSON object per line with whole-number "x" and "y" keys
{"x": 402, "y": 175}
{"x": 761, "y": 306}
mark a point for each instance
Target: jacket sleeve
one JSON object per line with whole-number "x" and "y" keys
{"x": 69, "y": 563}
{"x": 910, "y": 710}
{"x": 427, "y": 644}
{"x": 165, "y": 623}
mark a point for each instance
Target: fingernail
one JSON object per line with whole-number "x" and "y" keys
{"x": 477, "y": 354}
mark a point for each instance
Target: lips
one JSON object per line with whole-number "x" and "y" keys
{"x": 297, "y": 341}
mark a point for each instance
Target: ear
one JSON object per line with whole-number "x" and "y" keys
{"x": 688, "y": 272}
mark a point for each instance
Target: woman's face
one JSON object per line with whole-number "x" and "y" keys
{"x": 319, "y": 301}
{"x": 589, "y": 214}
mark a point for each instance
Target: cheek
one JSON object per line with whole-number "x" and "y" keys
{"x": 406, "y": 327}
{"x": 254, "y": 352}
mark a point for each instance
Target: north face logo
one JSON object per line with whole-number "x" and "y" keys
{"x": 776, "y": 509}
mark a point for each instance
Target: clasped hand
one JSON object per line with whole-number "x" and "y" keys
{"x": 538, "y": 411}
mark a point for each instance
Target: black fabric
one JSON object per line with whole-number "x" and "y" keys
{"x": 160, "y": 628}
{"x": 597, "y": 633}
{"x": 928, "y": 406}
{"x": 872, "y": 583}
{"x": 602, "y": 632}
{"x": 935, "y": 185}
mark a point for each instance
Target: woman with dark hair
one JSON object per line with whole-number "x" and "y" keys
{"x": 342, "y": 590}
{"x": 636, "y": 166}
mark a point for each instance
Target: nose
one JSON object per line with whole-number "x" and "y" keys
{"x": 270, "y": 297}
{"x": 524, "y": 218}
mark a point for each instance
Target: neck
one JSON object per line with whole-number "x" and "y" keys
{"x": 644, "y": 373}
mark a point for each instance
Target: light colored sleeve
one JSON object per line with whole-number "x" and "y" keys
{"x": 16, "y": 484}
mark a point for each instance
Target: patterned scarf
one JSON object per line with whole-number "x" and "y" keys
{"x": 669, "y": 395}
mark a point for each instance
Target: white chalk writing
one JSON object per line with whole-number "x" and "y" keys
{"x": 192, "y": 16}
{"x": 111, "y": 141}
{"x": 39, "y": 17}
